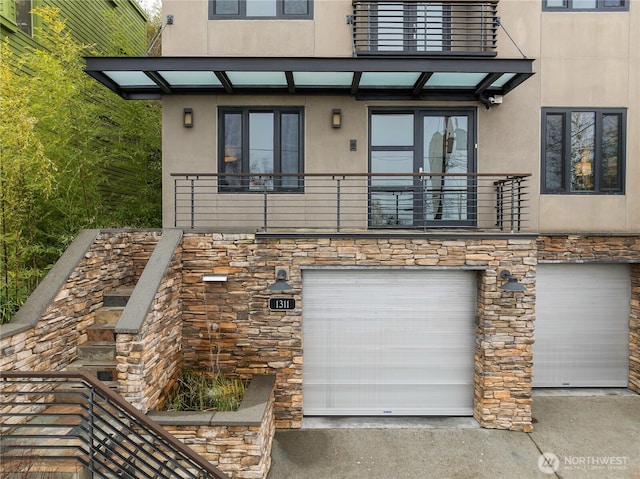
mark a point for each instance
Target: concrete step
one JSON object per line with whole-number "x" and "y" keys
{"x": 108, "y": 314}
{"x": 104, "y": 370}
{"x": 118, "y": 296}
{"x": 37, "y": 449}
{"x": 97, "y": 351}
{"x": 34, "y": 467}
{"x": 101, "y": 332}
{"x": 70, "y": 393}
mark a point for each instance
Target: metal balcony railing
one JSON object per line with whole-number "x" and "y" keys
{"x": 424, "y": 28}
{"x": 351, "y": 202}
{"x": 61, "y": 422}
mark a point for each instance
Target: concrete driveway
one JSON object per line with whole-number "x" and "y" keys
{"x": 583, "y": 435}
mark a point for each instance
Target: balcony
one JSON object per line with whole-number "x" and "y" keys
{"x": 351, "y": 202}
{"x": 466, "y": 28}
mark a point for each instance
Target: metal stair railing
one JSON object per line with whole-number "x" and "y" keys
{"x": 50, "y": 417}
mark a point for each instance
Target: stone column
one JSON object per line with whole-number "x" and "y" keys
{"x": 634, "y": 330}
{"x": 504, "y": 357}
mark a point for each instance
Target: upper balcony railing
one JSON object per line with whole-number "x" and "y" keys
{"x": 424, "y": 28}
{"x": 351, "y": 202}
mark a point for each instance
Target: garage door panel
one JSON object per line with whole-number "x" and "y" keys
{"x": 372, "y": 399}
{"x": 582, "y": 325}
{"x": 388, "y": 342}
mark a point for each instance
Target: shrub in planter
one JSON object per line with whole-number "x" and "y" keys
{"x": 202, "y": 391}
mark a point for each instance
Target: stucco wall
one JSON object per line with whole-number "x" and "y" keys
{"x": 582, "y": 59}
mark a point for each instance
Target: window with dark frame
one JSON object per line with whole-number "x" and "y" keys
{"x": 24, "y": 19}
{"x": 278, "y": 9}
{"x": 262, "y": 145}
{"x": 583, "y": 151}
{"x": 585, "y": 5}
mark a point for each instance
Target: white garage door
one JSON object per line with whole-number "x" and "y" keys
{"x": 582, "y": 325}
{"x": 388, "y": 342}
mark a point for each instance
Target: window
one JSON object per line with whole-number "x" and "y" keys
{"x": 23, "y": 16}
{"x": 410, "y": 27}
{"x": 585, "y": 5}
{"x": 583, "y": 150}
{"x": 16, "y": 15}
{"x": 422, "y": 141}
{"x": 261, "y": 142}
{"x": 283, "y": 9}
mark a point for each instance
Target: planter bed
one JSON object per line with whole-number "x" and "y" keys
{"x": 237, "y": 442}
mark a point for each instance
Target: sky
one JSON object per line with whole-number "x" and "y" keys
{"x": 150, "y": 5}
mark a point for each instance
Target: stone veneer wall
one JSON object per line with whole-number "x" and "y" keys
{"x": 603, "y": 249}
{"x": 150, "y": 356}
{"x": 52, "y": 343}
{"x": 142, "y": 248}
{"x": 228, "y": 326}
{"x": 504, "y": 356}
{"x": 239, "y": 448}
{"x": 634, "y": 335}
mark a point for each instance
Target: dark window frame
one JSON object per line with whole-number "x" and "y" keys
{"x": 24, "y": 17}
{"x": 242, "y": 184}
{"x": 242, "y": 14}
{"x": 566, "y": 174}
{"x": 601, "y": 6}
{"x": 417, "y": 149}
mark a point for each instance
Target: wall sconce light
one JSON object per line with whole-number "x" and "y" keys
{"x": 187, "y": 117}
{"x": 215, "y": 278}
{"x": 336, "y": 118}
{"x": 512, "y": 282}
{"x": 281, "y": 282}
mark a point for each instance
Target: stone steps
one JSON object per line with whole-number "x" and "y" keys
{"x": 102, "y": 332}
{"x": 69, "y": 393}
{"x": 97, "y": 356}
{"x": 45, "y": 450}
{"x": 108, "y": 315}
{"x": 118, "y": 296}
{"x": 97, "y": 351}
{"x": 103, "y": 370}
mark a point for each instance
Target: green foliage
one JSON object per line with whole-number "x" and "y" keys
{"x": 201, "y": 391}
{"x": 121, "y": 41}
{"x": 72, "y": 156}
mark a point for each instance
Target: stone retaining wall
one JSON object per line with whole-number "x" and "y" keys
{"x": 238, "y": 443}
{"x": 50, "y": 344}
{"x": 149, "y": 354}
{"x": 253, "y": 340}
{"x": 228, "y": 326}
{"x": 634, "y": 326}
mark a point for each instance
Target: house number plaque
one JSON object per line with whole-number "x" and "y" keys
{"x": 282, "y": 304}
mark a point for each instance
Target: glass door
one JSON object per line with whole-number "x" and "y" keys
{"x": 411, "y": 27}
{"x": 447, "y": 198}
{"x": 431, "y": 147}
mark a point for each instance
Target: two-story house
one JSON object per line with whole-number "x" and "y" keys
{"x": 403, "y": 207}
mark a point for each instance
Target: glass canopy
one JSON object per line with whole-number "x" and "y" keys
{"x": 453, "y": 79}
